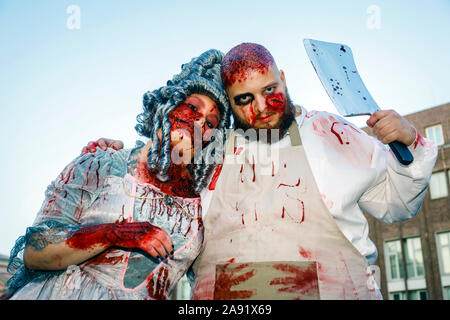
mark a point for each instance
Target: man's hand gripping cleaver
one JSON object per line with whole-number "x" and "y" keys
{"x": 334, "y": 64}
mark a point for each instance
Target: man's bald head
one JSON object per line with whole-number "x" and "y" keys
{"x": 243, "y": 59}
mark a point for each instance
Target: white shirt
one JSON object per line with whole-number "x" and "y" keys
{"x": 355, "y": 172}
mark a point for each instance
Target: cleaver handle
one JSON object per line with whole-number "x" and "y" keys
{"x": 401, "y": 152}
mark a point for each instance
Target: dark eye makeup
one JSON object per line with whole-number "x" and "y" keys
{"x": 243, "y": 99}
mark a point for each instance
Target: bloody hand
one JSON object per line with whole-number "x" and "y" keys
{"x": 140, "y": 235}
{"x": 102, "y": 143}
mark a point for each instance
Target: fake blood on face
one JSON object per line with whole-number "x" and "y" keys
{"x": 276, "y": 102}
{"x": 183, "y": 117}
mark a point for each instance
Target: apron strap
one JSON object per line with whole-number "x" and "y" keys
{"x": 294, "y": 134}
{"x": 230, "y": 143}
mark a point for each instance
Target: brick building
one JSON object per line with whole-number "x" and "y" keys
{"x": 4, "y": 276}
{"x": 414, "y": 255}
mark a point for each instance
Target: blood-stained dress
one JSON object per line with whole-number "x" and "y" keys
{"x": 101, "y": 188}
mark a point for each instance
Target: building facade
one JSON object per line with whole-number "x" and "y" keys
{"x": 4, "y": 275}
{"x": 414, "y": 255}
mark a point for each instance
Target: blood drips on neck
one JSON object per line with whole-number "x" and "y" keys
{"x": 179, "y": 182}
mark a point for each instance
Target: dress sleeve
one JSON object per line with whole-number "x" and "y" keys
{"x": 78, "y": 185}
{"x": 66, "y": 199}
{"x": 399, "y": 190}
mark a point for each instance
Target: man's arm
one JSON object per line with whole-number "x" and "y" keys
{"x": 399, "y": 191}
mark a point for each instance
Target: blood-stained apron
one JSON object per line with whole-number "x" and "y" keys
{"x": 269, "y": 235}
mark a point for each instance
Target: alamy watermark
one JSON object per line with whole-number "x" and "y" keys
{"x": 373, "y": 21}
{"x": 251, "y": 145}
{"x": 73, "y": 21}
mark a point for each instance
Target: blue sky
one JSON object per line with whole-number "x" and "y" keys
{"x": 62, "y": 87}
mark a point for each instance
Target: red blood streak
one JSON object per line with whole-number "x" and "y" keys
{"x": 349, "y": 280}
{"x": 249, "y": 114}
{"x": 96, "y": 172}
{"x": 253, "y": 168}
{"x": 103, "y": 259}
{"x": 79, "y": 209}
{"x": 304, "y": 253}
{"x": 243, "y": 59}
{"x": 157, "y": 289}
{"x": 273, "y": 169}
{"x": 215, "y": 177}
{"x": 144, "y": 195}
{"x": 229, "y": 277}
{"x": 290, "y": 185}
{"x": 296, "y": 220}
{"x": 301, "y": 281}
{"x": 237, "y": 151}
{"x": 243, "y": 222}
{"x": 65, "y": 179}
{"x": 240, "y": 172}
{"x": 419, "y": 139}
{"x": 336, "y": 133}
{"x": 126, "y": 235}
{"x": 303, "y": 210}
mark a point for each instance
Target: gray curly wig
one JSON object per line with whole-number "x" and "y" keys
{"x": 202, "y": 76}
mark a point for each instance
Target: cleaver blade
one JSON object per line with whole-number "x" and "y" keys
{"x": 334, "y": 64}
{"x": 335, "y": 67}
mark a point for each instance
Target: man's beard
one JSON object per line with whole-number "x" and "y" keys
{"x": 274, "y": 134}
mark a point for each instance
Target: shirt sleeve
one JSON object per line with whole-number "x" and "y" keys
{"x": 399, "y": 190}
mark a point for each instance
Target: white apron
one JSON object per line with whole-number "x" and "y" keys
{"x": 270, "y": 235}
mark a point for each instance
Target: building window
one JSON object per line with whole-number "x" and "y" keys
{"x": 443, "y": 241}
{"x": 399, "y": 295}
{"x": 395, "y": 262}
{"x": 446, "y": 293}
{"x": 412, "y": 295}
{"x": 414, "y": 258}
{"x": 434, "y": 133}
{"x": 438, "y": 185}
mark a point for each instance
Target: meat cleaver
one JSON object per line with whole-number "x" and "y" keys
{"x": 334, "y": 64}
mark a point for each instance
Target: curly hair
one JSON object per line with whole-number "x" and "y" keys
{"x": 202, "y": 76}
